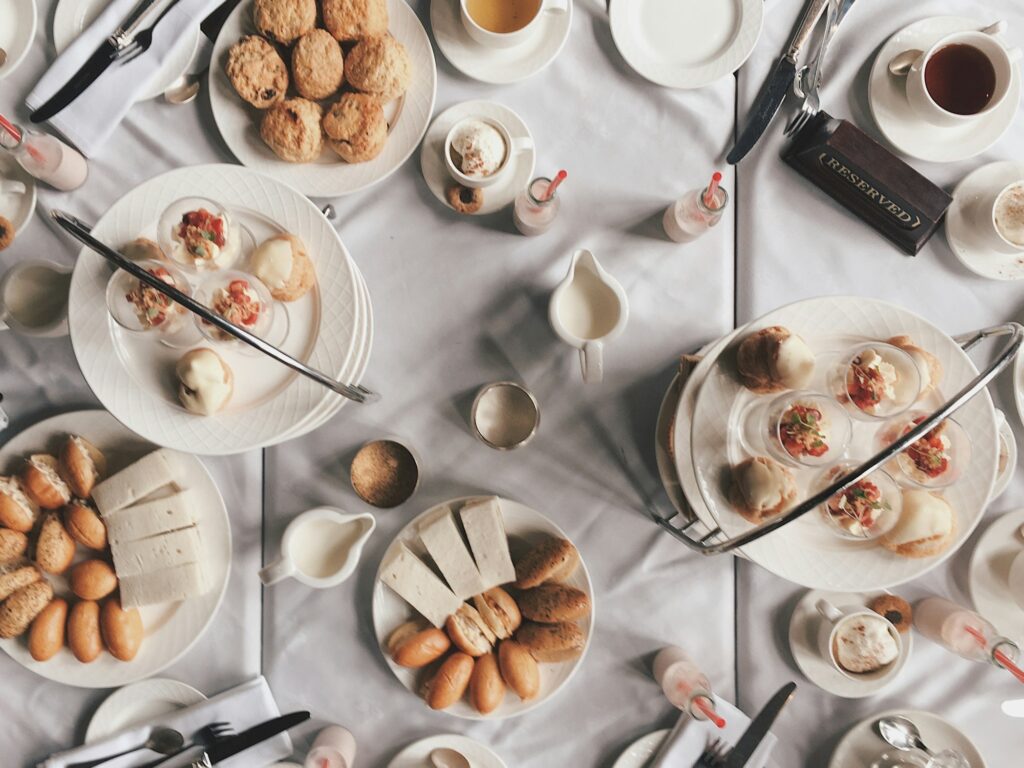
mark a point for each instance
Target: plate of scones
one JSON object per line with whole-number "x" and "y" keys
{"x": 329, "y": 96}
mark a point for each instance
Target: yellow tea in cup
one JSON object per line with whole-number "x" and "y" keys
{"x": 503, "y": 16}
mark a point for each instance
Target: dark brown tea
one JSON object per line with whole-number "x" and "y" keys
{"x": 960, "y": 79}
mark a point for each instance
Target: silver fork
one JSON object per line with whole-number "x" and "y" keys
{"x": 808, "y": 79}
{"x": 141, "y": 42}
{"x": 205, "y": 737}
{"x": 714, "y": 755}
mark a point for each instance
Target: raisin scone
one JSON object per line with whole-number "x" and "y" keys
{"x": 356, "y": 128}
{"x": 350, "y": 20}
{"x": 284, "y": 20}
{"x": 381, "y": 66}
{"x": 317, "y": 65}
{"x": 292, "y": 129}
{"x": 257, "y": 72}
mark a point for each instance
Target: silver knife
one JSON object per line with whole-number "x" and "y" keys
{"x": 775, "y": 88}
{"x": 759, "y": 728}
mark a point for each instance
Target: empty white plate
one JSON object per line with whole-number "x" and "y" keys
{"x": 16, "y": 32}
{"x": 140, "y": 703}
{"x": 686, "y": 43}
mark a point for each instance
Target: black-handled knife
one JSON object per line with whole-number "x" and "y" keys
{"x": 229, "y": 747}
{"x": 759, "y": 728}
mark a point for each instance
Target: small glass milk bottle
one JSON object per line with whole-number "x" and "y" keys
{"x": 696, "y": 212}
{"x": 46, "y": 157}
{"x": 685, "y": 686}
{"x": 536, "y": 206}
{"x": 966, "y": 634}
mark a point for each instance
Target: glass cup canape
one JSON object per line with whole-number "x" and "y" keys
{"x": 139, "y": 308}
{"x": 936, "y": 460}
{"x": 239, "y": 298}
{"x": 875, "y": 381}
{"x": 805, "y": 429}
{"x": 864, "y": 511}
{"x": 199, "y": 235}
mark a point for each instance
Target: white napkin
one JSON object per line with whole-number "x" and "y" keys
{"x": 90, "y": 119}
{"x": 243, "y": 707}
{"x": 695, "y": 735}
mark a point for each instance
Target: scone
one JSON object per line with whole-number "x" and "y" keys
{"x": 926, "y": 527}
{"x": 381, "y": 66}
{"x": 284, "y": 266}
{"x": 257, "y": 72}
{"x": 205, "y": 382}
{"x": 356, "y": 128}
{"x": 143, "y": 249}
{"x": 292, "y": 129}
{"x": 761, "y": 488}
{"x": 355, "y": 19}
{"x": 284, "y": 20}
{"x": 774, "y": 359}
{"x": 317, "y": 65}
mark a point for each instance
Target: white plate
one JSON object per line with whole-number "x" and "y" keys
{"x": 828, "y": 562}
{"x": 1004, "y": 477}
{"x": 72, "y": 16}
{"x": 805, "y": 629}
{"x": 686, "y": 43}
{"x": 914, "y": 136}
{"x": 138, "y": 703}
{"x": 154, "y": 414}
{"x": 389, "y": 610}
{"x": 329, "y": 176}
{"x": 989, "y": 571}
{"x": 17, "y": 32}
{"x": 418, "y": 755}
{"x": 17, "y": 209}
{"x": 862, "y": 745}
{"x": 498, "y": 65}
{"x": 514, "y": 180}
{"x": 172, "y": 628}
{"x": 965, "y": 215}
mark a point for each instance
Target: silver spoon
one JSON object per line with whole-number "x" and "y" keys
{"x": 900, "y": 732}
{"x": 449, "y": 758}
{"x": 162, "y": 740}
{"x": 184, "y": 89}
{"x": 900, "y": 64}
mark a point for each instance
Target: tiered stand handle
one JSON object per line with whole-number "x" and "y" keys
{"x": 684, "y": 526}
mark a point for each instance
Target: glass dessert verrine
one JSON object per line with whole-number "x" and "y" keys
{"x": 806, "y": 429}
{"x": 199, "y": 235}
{"x": 935, "y": 460}
{"x": 140, "y": 308}
{"x": 867, "y": 509}
{"x": 241, "y": 299}
{"x": 875, "y": 381}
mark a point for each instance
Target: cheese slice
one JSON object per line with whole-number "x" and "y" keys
{"x": 157, "y": 552}
{"x": 132, "y": 485}
{"x": 415, "y": 583}
{"x": 151, "y": 518}
{"x": 169, "y": 585}
{"x": 444, "y": 544}
{"x": 485, "y": 530}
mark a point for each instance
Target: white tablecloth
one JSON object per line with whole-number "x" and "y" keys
{"x": 458, "y": 303}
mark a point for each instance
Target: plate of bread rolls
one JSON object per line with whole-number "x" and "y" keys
{"x": 114, "y": 556}
{"x": 483, "y": 608}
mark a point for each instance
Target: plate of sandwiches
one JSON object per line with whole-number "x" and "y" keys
{"x": 114, "y": 555}
{"x": 330, "y": 96}
{"x": 257, "y": 253}
{"x": 483, "y": 608}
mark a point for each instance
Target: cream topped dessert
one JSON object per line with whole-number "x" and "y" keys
{"x": 761, "y": 488}
{"x": 205, "y": 382}
{"x": 925, "y": 528}
{"x": 272, "y": 262}
{"x": 479, "y": 148}
{"x": 864, "y": 644}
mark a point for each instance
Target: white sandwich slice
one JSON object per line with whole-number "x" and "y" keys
{"x": 135, "y": 483}
{"x": 485, "y": 529}
{"x": 152, "y": 518}
{"x": 157, "y": 552}
{"x": 444, "y": 543}
{"x": 164, "y": 586}
{"x": 415, "y": 583}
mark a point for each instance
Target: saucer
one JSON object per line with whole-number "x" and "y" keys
{"x": 914, "y": 136}
{"x": 1004, "y": 477}
{"x": 17, "y": 32}
{"x": 498, "y": 65}
{"x": 17, "y": 209}
{"x": 685, "y": 45}
{"x": 417, "y": 755}
{"x": 962, "y": 233}
{"x": 805, "y": 628}
{"x": 862, "y": 746}
{"x": 139, "y": 703}
{"x": 989, "y": 571}
{"x": 514, "y": 180}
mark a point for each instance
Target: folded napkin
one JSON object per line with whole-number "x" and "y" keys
{"x": 243, "y": 707}
{"x": 694, "y": 735}
{"x": 90, "y": 119}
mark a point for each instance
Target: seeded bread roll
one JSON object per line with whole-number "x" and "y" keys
{"x": 554, "y": 603}
{"x": 42, "y": 481}
{"x": 81, "y": 465}
{"x": 13, "y": 544}
{"x": 16, "y": 575}
{"x": 21, "y": 608}
{"x": 17, "y": 510}
{"x": 500, "y": 611}
{"x": 55, "y": 549}
{"x": 553, "y": 560}
{"x": 551, "y": 642}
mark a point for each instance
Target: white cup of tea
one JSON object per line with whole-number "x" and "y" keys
{"x": 34, "y": 298}
{"x": 320, "y": 548}
{"x": 844, "y": 621}
{"x": 945, "y": 99}
{"x": 506, "y": 23}
{"x": 513, "y": 147}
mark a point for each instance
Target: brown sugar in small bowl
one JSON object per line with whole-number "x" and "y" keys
{"x": 385, "y": 473}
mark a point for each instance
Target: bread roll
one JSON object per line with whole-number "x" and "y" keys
{"x": 42, "y": 481}
{"x": 84, "y": 638}
{"x": 93, "y": 579}
{"x": 15, "y": 575}
{"x": 21, "y": 608}
{"x": 486, "y": 688}
{"x": 413, "y": 645}
{"x": 519, "y": 669}
{"x": 469, "y": 631}
{"x": 499, "y": 611}
{"x": 46, "y": 637}
{"x": 554, "y": 603}
{"x": 84, "y": 525}
{"x": 553, "y": 560}
{"x": 81, "y": 465}
{"x": 121, "y": 629}
{"x": 13, "y": 544}
{"x": 450, "y": 682}
{"x": 552, "y": 642}
{"x": 17, "y": 511}
{"x": 55, "y": 549}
